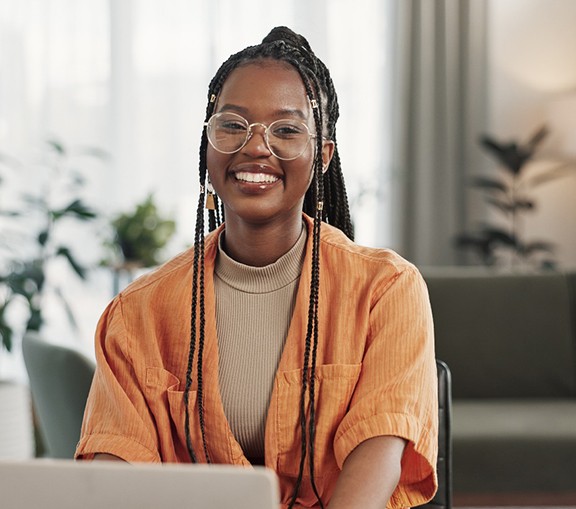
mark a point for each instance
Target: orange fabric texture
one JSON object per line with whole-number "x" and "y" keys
{"x": 376, "y": 372}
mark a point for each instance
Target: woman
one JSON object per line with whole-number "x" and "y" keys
{"x": 302, "y": 351}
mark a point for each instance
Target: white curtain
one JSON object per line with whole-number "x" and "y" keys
{"x": 130, "y": 77}
{"x": 439, "y": 112}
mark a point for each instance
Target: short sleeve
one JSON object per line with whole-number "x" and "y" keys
{"x": 397, "y": 392}
{"x": 116, "y": 419}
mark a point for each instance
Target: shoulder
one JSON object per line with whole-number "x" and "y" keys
{"x": 348, "y": 267}
{"x": 336, "y": 248}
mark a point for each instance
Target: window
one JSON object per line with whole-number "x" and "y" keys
{"x": 131, "y": 77}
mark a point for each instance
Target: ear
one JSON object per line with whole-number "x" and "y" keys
{"x": 327, "y": 153}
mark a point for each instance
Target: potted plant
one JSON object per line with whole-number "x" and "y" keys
{"x": 30, "y": 245}
{"x": 137, "y": 239}
{"x": 508, "y": 194}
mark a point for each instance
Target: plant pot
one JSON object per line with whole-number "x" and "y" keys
{"x": 16, "y": 428}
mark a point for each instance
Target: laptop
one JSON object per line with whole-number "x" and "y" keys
{"x": 68, "y": 484}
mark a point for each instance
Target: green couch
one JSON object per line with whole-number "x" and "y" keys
{"x": 510, "y": 342}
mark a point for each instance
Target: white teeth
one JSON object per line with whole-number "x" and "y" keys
{"x": 259, "y": 178}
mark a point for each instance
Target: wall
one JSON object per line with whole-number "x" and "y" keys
{"x": 531, "y": 68}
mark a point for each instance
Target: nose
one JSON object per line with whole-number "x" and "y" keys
{"x": 256, "y": 145}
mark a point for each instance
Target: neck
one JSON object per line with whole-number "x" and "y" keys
{"x": 260, "y": 244}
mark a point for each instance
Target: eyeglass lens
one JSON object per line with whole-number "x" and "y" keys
{"x": 229, "y": 132}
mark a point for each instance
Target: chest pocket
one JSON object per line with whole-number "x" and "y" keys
{"x": 334, "y": 386}
{"x": 166, "y": 403}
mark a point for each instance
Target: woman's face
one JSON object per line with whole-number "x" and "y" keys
{"x": 254, "y": 185}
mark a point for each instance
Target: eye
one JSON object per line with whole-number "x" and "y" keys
{"x": 288, "y": 129}
{"x": 231, "y": 125}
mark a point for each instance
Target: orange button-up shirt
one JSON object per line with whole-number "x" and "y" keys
{"x": 375, "y": 374}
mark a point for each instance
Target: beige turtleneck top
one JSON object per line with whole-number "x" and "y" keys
{"x": 254, "y": 307}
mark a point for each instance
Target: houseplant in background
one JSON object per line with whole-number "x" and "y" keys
{"x": 34, "y": 240}
{"x": 137, "y": 239}
{"x": 508, "y": 194}
{"x": 42, "y": 214}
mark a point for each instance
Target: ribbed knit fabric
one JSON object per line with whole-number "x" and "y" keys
{"x": 254, "y": 307}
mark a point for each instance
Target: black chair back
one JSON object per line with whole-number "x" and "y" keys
{"x": 443, "y": 497}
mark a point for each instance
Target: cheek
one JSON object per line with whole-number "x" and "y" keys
{"x": 216, "y": 163}
{"x": 211, "y": 157}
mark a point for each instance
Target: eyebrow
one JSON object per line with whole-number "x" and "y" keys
{"x": 281, "y": 113}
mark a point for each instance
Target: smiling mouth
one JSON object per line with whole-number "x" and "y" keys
{"x": 256, "y": 178}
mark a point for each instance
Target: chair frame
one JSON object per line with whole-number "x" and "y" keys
{"x": 443, "y": 497}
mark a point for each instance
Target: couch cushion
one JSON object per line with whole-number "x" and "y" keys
{"x": 508, "y": 419}
{"x": 505, "y": 335}
{"x": 514, "y": 445}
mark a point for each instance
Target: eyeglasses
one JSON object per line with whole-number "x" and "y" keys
{"x": 286, "y": 139}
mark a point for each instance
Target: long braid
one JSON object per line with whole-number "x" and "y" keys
{"x": 325, "y": 201}
{"x": 200, "y": 389}
{"x": 193, "y": 316}
{"x": 197, "y": 288}
{"x": 314, "y": 298}
{"x": 315, "y": 285}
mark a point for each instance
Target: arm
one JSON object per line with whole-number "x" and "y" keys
{"x": 116, "y": 419}
{"x": 369, "y": 474}
{"x": 106, "y": 457}
{"x": 396, "y": 394}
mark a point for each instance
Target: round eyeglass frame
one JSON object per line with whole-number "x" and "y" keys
{"x": 250, "y": 133}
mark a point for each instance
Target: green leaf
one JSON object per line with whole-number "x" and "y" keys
{"x": 537, "y": 138}
{"x": 77, "y": 209}
{"x": 57, "y": 146}
{"x": 548, "y": 264}
{"x": 523, "y": 204}
{"x": 65, "y": 252}
{"x": 10, "y": 213}
{"x": 512, "y": 156}
{"x": 35, "y": 320}
{"x": 5, "y": 329}
{"x": 96, "y": 152}
{"x": 499, "y": 236}
{"x": 27, "y": 280}
{"x": 481, "y": 242}
{"x": 501, "y": 205}
{"x": 6, "y": 334}
{"x": 490, "y": 184}
{"x": 43, "y": 237}
{"x": 535, "y": 246}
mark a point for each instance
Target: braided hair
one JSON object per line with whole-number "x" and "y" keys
{"x": 325, "y": 200}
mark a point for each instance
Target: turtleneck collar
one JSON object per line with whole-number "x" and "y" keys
{"x": 265, "y": 279}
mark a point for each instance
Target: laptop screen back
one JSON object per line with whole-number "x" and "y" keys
{"x": 66, "y": 484}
